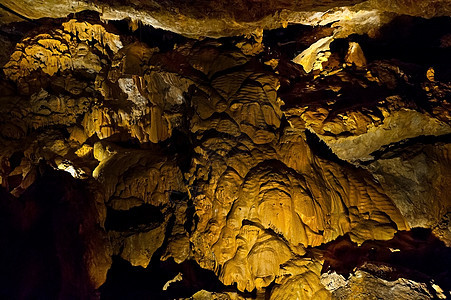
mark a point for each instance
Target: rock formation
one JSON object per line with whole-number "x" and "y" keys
{"x": 249, "y": 150}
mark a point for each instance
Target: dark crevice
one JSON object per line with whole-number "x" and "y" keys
{"x": 190, "y": 214}
{"x": 268, "y": 290}
{"x": 153, "y": 37}
{"x": 416, "y": 254}
{"x": 291, "y": 41}
{"x": 320, "y": 148}
{"x": 415, "y": 144}
{"x": 179, "y": 145}
{"x": 127, "y": 282}
{"x": 42, "y": 253}
{"x": 409, "y": 39}
{"x": 144, "y": 217}
{"x": 15, "y": 159}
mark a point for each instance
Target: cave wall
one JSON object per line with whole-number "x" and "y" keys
{"x": 277, "y": 154}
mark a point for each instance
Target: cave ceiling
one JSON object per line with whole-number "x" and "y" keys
{"x": 225, "y": 149}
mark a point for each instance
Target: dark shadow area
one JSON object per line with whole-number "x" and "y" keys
{"x": 413, "y": 145}
{"x": 142, "y": 217}
{"x": 320, "y": 148}
{"x": 412, "y": 40}
{"x": 179, "y": 145}
{"x": 10, "y": 34}
{"x": 416, "y": 254}
{"x": 316, "y": 93}
{"x": 127, "y": 282}
{"x": 398, "y": 56}
{"x": 42, "y": 249}
{"x": 191, "y": 215}
{"x": 289, "y": 42}
{"x": 164, "y": 40}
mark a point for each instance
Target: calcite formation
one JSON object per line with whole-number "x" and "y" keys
{"x": 218, "y": 19}
{"x": 249, "y": 187}
{"x": 225, "y": 160}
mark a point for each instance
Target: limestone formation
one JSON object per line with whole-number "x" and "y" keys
{"x": 364, "y": 286}
{"x": 258, "y": 150}
{"x": 246, "y": 197}
{"x": 218, "y": 19}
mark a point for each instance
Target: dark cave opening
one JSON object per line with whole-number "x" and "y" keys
{"x": 416, "y": 254}
{"x": 44, "y": 254}
{"x": 144, "y": 216}
{"x": 320, "y": 148}
{"x": 127, "y": 282}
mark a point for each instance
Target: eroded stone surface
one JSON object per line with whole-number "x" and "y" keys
{"x": 251, "y": 191}
{"x": 242, "y": 16}
{"x": 362, "y": 285}
{"x": 224, "y": 152}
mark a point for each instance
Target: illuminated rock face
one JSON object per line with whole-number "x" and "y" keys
{"x": 260, "y": 201}
{"x": 220, "y": 18}
{"x": 262, "y": 158}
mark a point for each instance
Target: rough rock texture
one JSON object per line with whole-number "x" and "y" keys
{"x": 362, "y": 285}
{"x": 305, "y": 162}
{"x": 216, "y": 19}
{"x": 251, "y": 191}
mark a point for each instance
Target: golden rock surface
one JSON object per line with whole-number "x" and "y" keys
{"x": 223, "y": 18}
{"x": 224, "y": 153}
{"x": 64, "y": 49}
{"x": 260, "y": 202}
